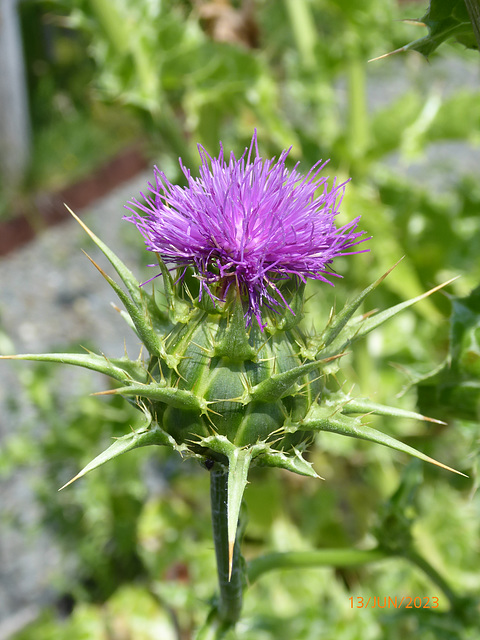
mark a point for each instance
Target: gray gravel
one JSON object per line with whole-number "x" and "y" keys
{"x": 51, "y": 294}
{"x": 52, "y": 297}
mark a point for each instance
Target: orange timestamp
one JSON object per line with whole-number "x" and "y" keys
{"x": 395, "y": 602}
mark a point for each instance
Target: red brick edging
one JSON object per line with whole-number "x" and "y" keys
{"x": 49, "y": 208}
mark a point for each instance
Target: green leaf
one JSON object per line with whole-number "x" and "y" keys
{"x": 140, "y": 306}
{"x": 453, "y": 389}
{"x": 321, "y": 418}
{"x": 279, "y": 384}
{"x": 339, "y": 321}
{"x": 141, "y": 438}
{"x": 447, "y": 19}
{"x": 179, "y": 398}
{"x": 359, "y": 327}
{"x": 123, "y": 271}
{"x": 364, "y": 405}
{"x": 122, "y": 369}
{"x": 177, "y": 308}
{"x": 291, "y": 462}
{"x": 138, "y": 313}
{"x": 239, "y": 460}
{"x": 238, "y": 466}
{"x": 234, "y": 344}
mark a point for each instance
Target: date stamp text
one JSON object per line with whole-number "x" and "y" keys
{"x": 394, "y": 602}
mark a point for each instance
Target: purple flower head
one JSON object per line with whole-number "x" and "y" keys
{"x": 251, "y": 223}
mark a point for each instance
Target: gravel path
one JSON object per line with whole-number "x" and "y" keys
{"x": 51, "y": 298}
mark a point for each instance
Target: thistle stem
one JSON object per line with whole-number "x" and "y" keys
{"x": 418, "y": 560}
{"x": 231, "y": 590}
{"x": 214, "y": 628}
{"x": 473, "y": 8}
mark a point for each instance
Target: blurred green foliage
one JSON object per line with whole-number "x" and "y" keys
{"x": 138, "y": 529}
{"x": 63, "y": 103}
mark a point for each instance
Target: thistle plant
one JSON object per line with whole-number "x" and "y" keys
{"x": 227, "y": 374}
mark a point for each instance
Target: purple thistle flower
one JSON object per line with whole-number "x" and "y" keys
{"x": 249, "y": 222}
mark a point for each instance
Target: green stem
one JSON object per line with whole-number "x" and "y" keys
{"x": 358, "y": 124}
{"x": 434, "y": 576}
{"x": 304, "y": 32}
{"x": 473, "y": 8}
{"x": 310, "y": 559}
{"x": 231, "y": 591}
{"x": 214, "y": 628}
{"x": 113, "y": 24}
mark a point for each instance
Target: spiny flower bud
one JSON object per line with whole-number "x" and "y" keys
{"x": 252, "y": 231}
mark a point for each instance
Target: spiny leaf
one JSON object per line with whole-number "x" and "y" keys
{"x": 292, "y": 314}
{"x": 177, "y": 308}
{"x": 125, "y": 317}
{"x": 123, "y": 271}
{"x": 178, "y": 398}
{"x": 139, "y": 304}
{"x": 234, "y": 344}
{"x": 167, "y": 282}
{"x": 278, "y": 384}
{"x": 453, "y": 388}
{"x": 361, "y": 326}
{"x": 139, "y": 315}
{"x": 266, "y": 457}
{"x": 364, "y": 405}
{"x": 322, "y": 419}
{"x": 122, "y": 369}
{"x": 141, "y": 438}
{"x": 239, "y": 460}
{"x": 238, "y": 465}
{"x": 340, "y": 320}
{"x": 445, "y": 19}
{"x": 218, "y": 444}
{"x": 376, "y": 320}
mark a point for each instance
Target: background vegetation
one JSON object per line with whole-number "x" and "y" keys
{"x": 172, "y": 74}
